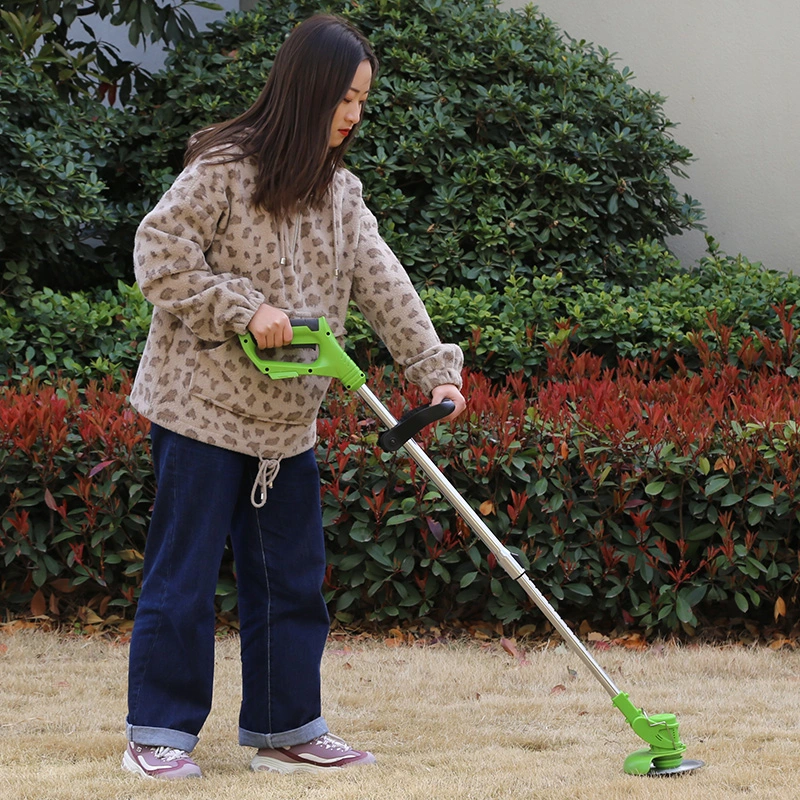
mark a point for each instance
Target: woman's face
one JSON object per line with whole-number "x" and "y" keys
{"x": 348, "y": 112}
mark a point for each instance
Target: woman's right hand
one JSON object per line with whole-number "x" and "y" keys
{"x": 271, "y": 327}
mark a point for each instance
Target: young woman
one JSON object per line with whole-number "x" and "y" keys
{"x": 262, "y": 226}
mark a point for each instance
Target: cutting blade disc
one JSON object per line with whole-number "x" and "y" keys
{"x": 687, "y": 765}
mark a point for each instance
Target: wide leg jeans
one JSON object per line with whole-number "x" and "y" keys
{"x": 202, "y": 498}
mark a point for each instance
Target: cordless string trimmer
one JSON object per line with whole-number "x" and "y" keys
{"x": 664, "y": 753}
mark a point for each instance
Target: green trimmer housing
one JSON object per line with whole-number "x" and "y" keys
{"x": 664, "y": 753}
{"x": 664, "y": 756}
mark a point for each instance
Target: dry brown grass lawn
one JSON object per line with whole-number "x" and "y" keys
{"x": 450, "y": 722}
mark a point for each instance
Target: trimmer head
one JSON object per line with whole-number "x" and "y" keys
{"x": 664, "y": 757}
{"x": 646, "y": 762}
{"x": 687, "y": 765}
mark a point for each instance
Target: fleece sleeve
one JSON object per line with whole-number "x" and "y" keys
{"x": 389, "y": 301}
{"x": 170, "y": 256}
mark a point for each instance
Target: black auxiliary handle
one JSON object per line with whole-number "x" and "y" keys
{"x": 412, "y": 422}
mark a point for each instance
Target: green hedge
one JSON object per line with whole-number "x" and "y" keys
{"x": 88, "y": 335}
{"x": 78, "y": 335}
{"x": 656, "y": 502}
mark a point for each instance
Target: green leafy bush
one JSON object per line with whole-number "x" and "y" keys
{"x": 81, "y": 335}
{"x": 88, "y": 335}
{"x": 57, "y": 220}
{"x": 514, "y": 329}
{"x": 492, "y": 146}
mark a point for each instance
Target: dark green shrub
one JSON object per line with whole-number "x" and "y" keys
{"x": 81, "y": 336}
{"x": 57, "y": 221}
{"x": 492, "y": 146}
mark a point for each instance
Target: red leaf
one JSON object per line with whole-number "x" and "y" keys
{"x": 629, "y": 620}
{"x": 50, "y": 501}
{"x": 435, "y": 528}
{"x": 100, "y": 467}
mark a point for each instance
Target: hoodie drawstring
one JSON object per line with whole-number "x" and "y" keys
{"x": 268, "y": 469}
{"x": 283, "y": 238}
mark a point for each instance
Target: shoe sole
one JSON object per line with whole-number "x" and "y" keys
{"x": 131, "y": 765}
{"x": 267, "y": 764}
{"x": 273, "y": 765}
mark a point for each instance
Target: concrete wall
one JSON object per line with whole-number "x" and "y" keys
{"x": 730, "y": 70}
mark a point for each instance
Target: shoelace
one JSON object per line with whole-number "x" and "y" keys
{"x": 268, "y": 469}
{"x": 331, "y": 742}
{"x": 169, "y": 753}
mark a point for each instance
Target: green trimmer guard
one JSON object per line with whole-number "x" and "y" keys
{"x": 664, "y": 754}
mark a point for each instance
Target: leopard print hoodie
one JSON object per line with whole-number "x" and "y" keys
{"x": 206, "y": 260}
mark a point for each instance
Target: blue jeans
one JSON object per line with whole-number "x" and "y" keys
{"x": 203, "y": 497}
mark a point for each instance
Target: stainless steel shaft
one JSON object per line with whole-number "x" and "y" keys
{"x": 498, "y": 549}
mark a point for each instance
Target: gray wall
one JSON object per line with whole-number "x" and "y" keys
{"x": 731, "y": 72}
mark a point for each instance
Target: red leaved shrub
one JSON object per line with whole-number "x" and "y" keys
{"x": 631, "y": 495}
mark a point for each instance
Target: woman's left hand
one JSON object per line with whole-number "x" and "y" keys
{"x": 448, "y": 391}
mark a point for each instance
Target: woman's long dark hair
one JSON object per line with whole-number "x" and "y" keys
{"x": 287, "y": 129}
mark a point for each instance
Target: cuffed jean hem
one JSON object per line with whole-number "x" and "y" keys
{"x": 161, "y": 737}
{"x": 300, "y": 735}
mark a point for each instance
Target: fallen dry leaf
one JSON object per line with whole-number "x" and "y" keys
{"x": 634, "y": 641}
{"x": 779, "y": 644}
{"x": 91, "y": 618}
{"x": 558, "y": 689}
{"x": 38, "y": 604}
{"x": 510, "y": 646}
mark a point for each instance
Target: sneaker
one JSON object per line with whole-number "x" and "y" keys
{"x": 159, "y": 762}
{"x": 324, "y": 753}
